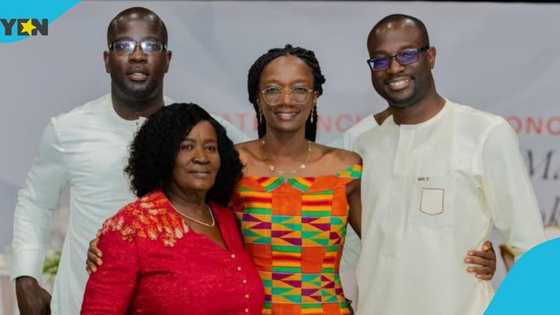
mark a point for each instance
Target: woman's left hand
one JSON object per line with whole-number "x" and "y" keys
{"x": 482, "y": 262}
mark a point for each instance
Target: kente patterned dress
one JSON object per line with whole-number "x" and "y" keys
{"x": 153, "y": 263}
{"x": 294, "y": 229}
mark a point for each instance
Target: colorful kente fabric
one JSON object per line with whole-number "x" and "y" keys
{"x": 294, "y": 229}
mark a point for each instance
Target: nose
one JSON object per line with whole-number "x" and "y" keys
{"x": 287, "y": 96}
{"x": 395, "y": 66}
{"x": 137, "y": 54}
{"x": 200, "y": 155}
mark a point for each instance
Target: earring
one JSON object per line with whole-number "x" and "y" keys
{"x": 311, "y": 119}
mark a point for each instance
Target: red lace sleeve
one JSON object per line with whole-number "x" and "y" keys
{"x": 110, "y": 289}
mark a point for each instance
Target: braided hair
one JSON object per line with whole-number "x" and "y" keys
{"x": 307, "y": 56}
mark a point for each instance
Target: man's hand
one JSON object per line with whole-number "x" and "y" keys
{"x": 93, "y": 257}
{"x": 483, "y": 262}
{"x": 31, "y": 298}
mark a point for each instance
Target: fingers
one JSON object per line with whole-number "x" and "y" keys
{"x": 486, "y": 254}
{"x": 482, "y": 273}
{"x": 482, "y": 262}
{"x": 94, "y": 258}
{"x": 479, "y": 261}
{"x": 93, "y": 248}
{"x": 90, "y": 267}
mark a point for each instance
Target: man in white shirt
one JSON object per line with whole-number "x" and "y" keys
{"x": 438, "y": 176}
{"x": 86, "y": 150}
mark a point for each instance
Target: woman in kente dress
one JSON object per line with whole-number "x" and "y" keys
{"x": 296, "y": 196}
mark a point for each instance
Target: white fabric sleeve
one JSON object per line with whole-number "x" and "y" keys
{"x": 234, "y": 133}
{"x": 36, "y": 202}
{"x": 508, "y": 189}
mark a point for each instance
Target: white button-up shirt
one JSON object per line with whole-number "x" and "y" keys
{"x": 86, "y": 150}
{"x": 431, "y": 192}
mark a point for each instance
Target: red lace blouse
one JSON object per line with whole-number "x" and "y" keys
{"x": 153, "y": 263}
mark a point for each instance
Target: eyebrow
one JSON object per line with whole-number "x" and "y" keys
{"x": 194, "y": 140}
{"x": 276, "y": 82}
{"x": 130, "y": 38}
{"x": 382, "y": 52}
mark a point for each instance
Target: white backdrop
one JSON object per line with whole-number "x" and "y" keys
{"x": 503, "y": 58}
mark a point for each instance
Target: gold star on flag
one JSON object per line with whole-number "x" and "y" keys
{"x": 28, "y": 27}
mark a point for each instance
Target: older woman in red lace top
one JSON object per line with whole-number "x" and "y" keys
{"x": 176, "y": 249}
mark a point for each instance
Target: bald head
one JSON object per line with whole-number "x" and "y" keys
{"x": 395, "y": 21}
{"x": 136, "y": 14}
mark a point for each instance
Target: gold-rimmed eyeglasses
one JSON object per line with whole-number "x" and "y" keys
{"x": 272, "y": 95}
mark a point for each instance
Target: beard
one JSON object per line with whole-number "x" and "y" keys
{"x": 419, "y": 91}
{"x": 135, "y": 92}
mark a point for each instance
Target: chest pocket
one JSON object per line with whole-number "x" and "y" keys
{"x": 432, "y": 205}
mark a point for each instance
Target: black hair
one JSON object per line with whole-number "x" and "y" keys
{"x": 401, "y": 17}
{"x": 254, "y": 76}
{"x": 154, "y": 150}
{"x": 138, "y": 13}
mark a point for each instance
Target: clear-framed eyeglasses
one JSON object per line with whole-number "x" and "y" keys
{"x": 403, "y": 57}
{"x": 127, "y": 46}
{"x": 272, "y": 95}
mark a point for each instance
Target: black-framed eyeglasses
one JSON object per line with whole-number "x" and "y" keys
{"x": 404, "y": 57}
{"x": 127, "y": 46}
{"x": 272, "y": 95}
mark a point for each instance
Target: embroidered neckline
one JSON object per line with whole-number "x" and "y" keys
{"x": 270, "y": 183}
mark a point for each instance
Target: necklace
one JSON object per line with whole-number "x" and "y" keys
{"x": 273, "y": 169}
{"x": 212, "y": 224}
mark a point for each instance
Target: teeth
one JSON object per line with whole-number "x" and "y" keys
{"x": 137, "y": 76}
{"x": 398, "y": 84}
{"x": 285, "y": 116}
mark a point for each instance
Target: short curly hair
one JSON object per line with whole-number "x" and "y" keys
{"x": 154, "y": 150}
{"x": 254, "y": 76}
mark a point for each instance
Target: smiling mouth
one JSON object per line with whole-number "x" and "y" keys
{"x": 398, "y": 84}
{"x": 286, "y": 115}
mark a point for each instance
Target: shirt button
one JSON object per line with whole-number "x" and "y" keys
{"x": 244, "y": 281}
{"x": 246, "y": 296}
{"x": 239, "y": 268}
{"x": 232, "y": 255}
{"x": 246, "y": 310}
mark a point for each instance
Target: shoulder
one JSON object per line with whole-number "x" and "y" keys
{"x": 148, "y": 217}
{"x": 364, "y": 125}
{"x": 474, "y": 116}
{"x": 79, "y": 115}
{"x": 480, "y": 124}
{"x": 350, "y": 136}
{"x": 338, "y": 159}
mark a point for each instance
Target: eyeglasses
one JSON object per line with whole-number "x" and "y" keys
{"x": 273, "y": 95}
{"x": 404, "y": 57}
{"x": 127, "y": 46}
